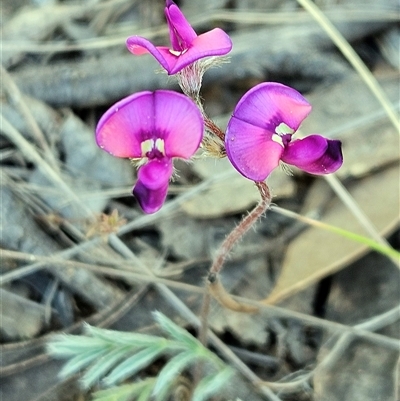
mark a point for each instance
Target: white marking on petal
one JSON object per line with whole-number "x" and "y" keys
{"x": 147, "y": 146}
{"x": 159, "y": 145}
{"x": 276, "y": 138}
{"x": 283, "y": 129}
{"x": 177, "y": 52}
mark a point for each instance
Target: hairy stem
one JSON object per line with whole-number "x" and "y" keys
{"x": 214, "y": 286}
{"x": 242, "y": 228}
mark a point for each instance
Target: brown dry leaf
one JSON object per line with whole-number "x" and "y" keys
{"x": 318, "y": 253}
{"x": 235, "y": 194}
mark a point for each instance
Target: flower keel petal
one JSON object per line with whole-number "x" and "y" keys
{"x": 314, "y": 154}
{"x": 152, "y": 185}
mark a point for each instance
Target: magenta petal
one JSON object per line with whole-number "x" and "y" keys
{"x": 314, "y": 154}
{"x": 179, "y": 122}
{"x": 152, "y": 185}
{"x": 120, "y": 130}
{"x": 181, "y": 32}
{"x": 162, "y": 114}
{"x": 138, "y": 45}
{"x": 212, "y": 43}
{"x": 267, "y": 105}
{"x": 251, "y": 150}
{"x": 172, "y": 63}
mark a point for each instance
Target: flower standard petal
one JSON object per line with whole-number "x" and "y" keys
{"x": 181, "y": 32}
{"x": 162, "y": 114}
{"x": 251, "y": 149}
{"x": 179, "y": 122}
{"x": 314, "y": 154}
{"x": 187, "y": 47}
{"x": 152, "y": 185}
{"x": 122, "y": 128}
{"x": 213, "y": 43}
{"x": 269, "y": 104}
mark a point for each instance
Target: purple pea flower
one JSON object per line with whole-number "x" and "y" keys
{"x": 152, "y": 128}
{"x": 187, "y": 46}
{"x": 259, "y": 134}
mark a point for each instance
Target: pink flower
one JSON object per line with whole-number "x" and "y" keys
{"x": 153, "y": 127}
{"x": 259, "y": 134}
{"x": 187, "y": 47}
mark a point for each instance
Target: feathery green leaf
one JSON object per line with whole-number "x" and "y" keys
{"x": 176, "y": 332}
{"x": 65, "y": 345}
{"x": 125, "y": 392}
{"x": 170, "y": 371}
{"x": 145, "y": 394}
{"x": 133, "y": 364}
{"x": 80, "y": 361}
{"x": 136, "y": 340}
{"x": 102, "y": 366}
{"x": 212, "y": 384}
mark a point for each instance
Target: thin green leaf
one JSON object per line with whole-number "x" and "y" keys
{"x": 133, "y": 364}
{"x": 212, "y": 384}
{"x": 80, "y": 361}
{"x": 125, "y": 392}
{"x": 179, "y": 334}
{"x": 65, "y": 345}
{"x": 383, "y": 249}
{"x": 146, "y": 393}
{"x": 102, "y": 366}
{"x": 170, "y": 372}
{"x": 136, "y": 340}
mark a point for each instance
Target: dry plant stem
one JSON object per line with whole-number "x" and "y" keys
{"x": 353, "y": 58}
{"x": 19, "y": 101}
{"x": 275, "y": 18}
{"x": 352, "y": 205}
{"x": 205, "y": 310}
{"x": 375, "y": 323}
{"x": 218, "y": 292}
{"x": 31, "y": 154}
{"x": 363, "y": 330}
{"x": 187, "y": 313}
{"x": 145, "y": 220}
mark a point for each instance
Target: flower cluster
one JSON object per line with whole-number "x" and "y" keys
{"x": 152, "y": 128}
